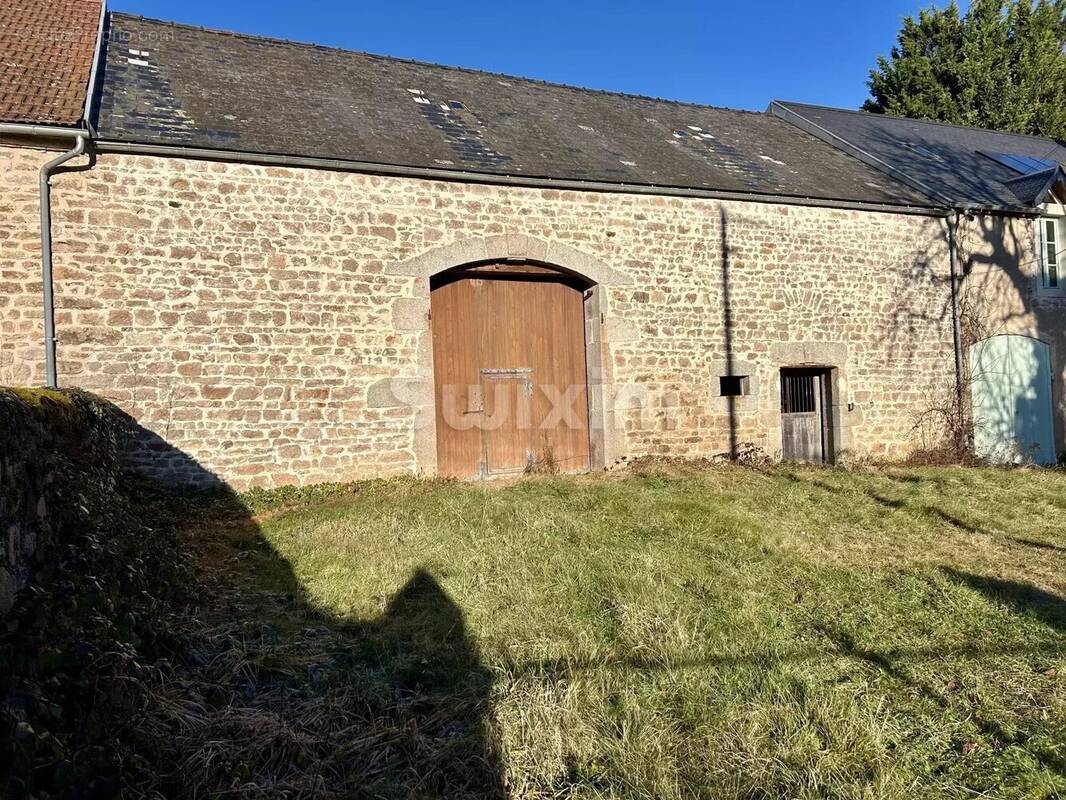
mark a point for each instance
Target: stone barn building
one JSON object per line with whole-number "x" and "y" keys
{"x": 291, "y": 264}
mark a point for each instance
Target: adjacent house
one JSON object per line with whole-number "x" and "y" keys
{"x": 292, "y": 263}
{"x": 49, "y": 50}
{"x": 49, "y": 53}
{"x": 1009, "y": 192}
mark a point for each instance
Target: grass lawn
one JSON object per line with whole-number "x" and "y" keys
{"x": 734, "y": 632}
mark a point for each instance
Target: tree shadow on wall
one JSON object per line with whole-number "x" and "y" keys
{"x": 268, "y": 694}
{"x": 993, "y": 261}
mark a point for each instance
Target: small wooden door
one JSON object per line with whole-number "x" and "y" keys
{"x": 804, "y": 403}
{"x": 509, "y": 371}
{"x": 507, "y": 437}
{"x": 1012, "y": 406}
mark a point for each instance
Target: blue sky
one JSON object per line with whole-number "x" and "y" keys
{"x": 735, "y": 54}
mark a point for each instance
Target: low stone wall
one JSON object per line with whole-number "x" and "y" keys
{"x": 59, "y": 460}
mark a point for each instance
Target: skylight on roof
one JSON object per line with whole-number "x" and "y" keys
{"x": 922, "y": 150}
{"x": 1026, "y": 165}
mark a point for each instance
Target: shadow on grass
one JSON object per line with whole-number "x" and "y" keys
{"x": 259, "y": 691}
{"x": 269, "y": 694}
{"x": 907, "y": 504}
{"x": 1039, "y": 545}
{"x": 424, "y": 727}
{"x": 899, "y": 667}
{"x": 1024, "y": 599}
{"x": 894, "y": 503}
{"x": 395, "y": 706}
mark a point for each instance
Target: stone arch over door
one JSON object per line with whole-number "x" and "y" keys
{"x": 412, "y": 314}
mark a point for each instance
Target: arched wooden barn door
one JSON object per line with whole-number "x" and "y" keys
{"x": 1012, "y": 409}
{"x": 509, "y": 371}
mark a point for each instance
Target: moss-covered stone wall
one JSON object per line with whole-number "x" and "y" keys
{"x": 59, "y": 461}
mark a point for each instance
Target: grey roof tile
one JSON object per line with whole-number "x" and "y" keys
{"x": 203, "y": 88}
{"x": 950, "y": 159}
{"x": 1030, "y": 189}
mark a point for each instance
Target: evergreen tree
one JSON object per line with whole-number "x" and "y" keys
{"x": 1001, "y": 65}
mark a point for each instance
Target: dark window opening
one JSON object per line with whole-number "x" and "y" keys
{"x": 733, "y": 385}
{"x": 797, "y": 392}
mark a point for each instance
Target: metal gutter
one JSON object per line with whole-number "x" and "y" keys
{"x": 461, "y": 176}
{"x": 42, "y": 131}
{"x": 47, "y": 171}
{"x": 81, "y": 136}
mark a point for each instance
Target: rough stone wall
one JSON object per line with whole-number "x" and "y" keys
{"x": 243, "y": 314}
{"x": 54, "y": 447}
{"x": 21, "y": 331}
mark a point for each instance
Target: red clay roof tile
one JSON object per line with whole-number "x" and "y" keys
{"x": 46, "y": 55}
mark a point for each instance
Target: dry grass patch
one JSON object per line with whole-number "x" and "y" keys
{"x": 716, "y": 633}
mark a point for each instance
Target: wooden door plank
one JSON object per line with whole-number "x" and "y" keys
{"x": 510, "y": 323}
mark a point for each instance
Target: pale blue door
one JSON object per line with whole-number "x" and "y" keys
{"x": 1011, "y": 388}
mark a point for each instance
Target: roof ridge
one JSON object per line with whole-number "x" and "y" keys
{"x": 860, "y": 112}
{"x": 437, "y": 65}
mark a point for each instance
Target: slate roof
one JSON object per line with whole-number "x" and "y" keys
{"x": 165, "y": 83}
{"x": 1031, "y": 189}
{"x": 950, "y": 159}
{"x": 46, "y": 57}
